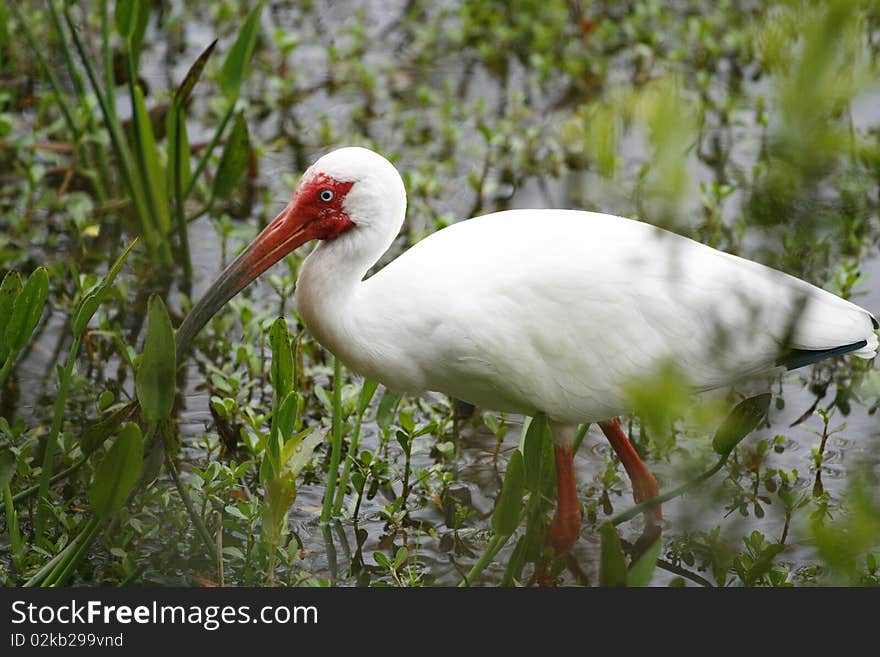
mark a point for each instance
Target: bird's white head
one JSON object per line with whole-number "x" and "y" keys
{"x": 351, "y": 198}
{"x": 351, "y": 188}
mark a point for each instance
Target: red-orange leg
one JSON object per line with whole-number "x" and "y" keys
{"x": 566, "y": 524}
{"x": 643, "y": 482}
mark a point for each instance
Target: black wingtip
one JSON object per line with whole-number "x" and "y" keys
{"x": 874, "y": 322}
{"x": 802, "y": 357}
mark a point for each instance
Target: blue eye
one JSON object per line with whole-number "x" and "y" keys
{"x": 326, "y": 195}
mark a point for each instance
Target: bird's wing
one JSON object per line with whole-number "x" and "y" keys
{"x": 558, "y": 310}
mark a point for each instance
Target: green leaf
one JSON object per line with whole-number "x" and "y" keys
{"x": 234, "y": 161}
{"x": 232, "y": 551}
{"x": 4, "y": 29}
{"x": 643, "y": 570}
{"x": 740, "y": 423}
{"x": 118, "y": 473}
{"x": 8, "y": 465}
{"x": 535, "y": 538}
{"x": 95, "y": 433}
{"x": 181, "y": 96}
{"x": 26, "y": 310}
{"x": 400, "y": 557}
{"x": 155, "y": 176}
{"x": 516, "y": 562}
{"x": 124, "y": 16}
{"x": 131, "y": 18}
{"x": 282, "y": 358}
{"x": 325, "y": 399}
{"x": 533, "y": 451}
{"x": 280, "y": 496}
{"x": 303, "y": 450}
{"x": 505, "y": 518}
{"x": 267, "y": 470}
{"x": 90, "y": 302}
{"x": 404, "y": 440}
{"x": 105, "y": 399}
{"x": 136, "y": 38}
{"x": 368, "y": 389}
{"x": 178, "y": 147}
{"x": 387, "y": 405}
{"x": 178, "y": 150}
{"x": 286, "y": 415}
{"x": 612, "y": 571}
{"x": 406, "y": 421}
{"x": 491, "y": 421}
{"x": 9, "y": 290}
{"x": 236, "y": 62}
{"x": 763, "y": 563}
{"x": 155, "y": 378}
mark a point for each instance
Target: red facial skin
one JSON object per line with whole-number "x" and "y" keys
{"x": 326, "y": 220}
{"x": 307, "y": 217}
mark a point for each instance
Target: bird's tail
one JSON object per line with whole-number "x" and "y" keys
{"x": 830, "y": 326}
{"x": 802, "y": 357}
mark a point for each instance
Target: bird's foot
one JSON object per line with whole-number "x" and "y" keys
{"x": 644, "y": 488}
{"x": 564, "y": 530}
{"x": 643, "y": 482}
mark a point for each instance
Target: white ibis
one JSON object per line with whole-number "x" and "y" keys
{"x": 533, "y": 311}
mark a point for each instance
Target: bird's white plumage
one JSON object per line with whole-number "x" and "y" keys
{"x": 550, "y": 310}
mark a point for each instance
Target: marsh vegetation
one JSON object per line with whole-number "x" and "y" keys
{"x": 137, "y": 156}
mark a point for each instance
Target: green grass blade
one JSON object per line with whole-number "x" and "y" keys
{"x": 234, "y": 161}
{"x": 336, "y": 449}
{"x": 107, "y": 56}
{"x": 209, "y": 149}
{"x": 52, "y": 441}
{"x": 230, "y": 78}
{"x": 56, "y": 563}
{"x": 612, "y": 566}
{"x": 156, "y": 248}
{"x": 49, "y": 72}
{"x": 491, "y": 550}
{"x": 148, "y": 157}
{"x": 181, "y": 96}
{"x": 131, "y": 18}
{"x": 178, "y": 177}
{"x": 4, "y": 26}
{"x": 239, "y": 55}
{"x": 179, "y": 154}
{"x": 533, "y": 451}
{"x": 91, "y": 301}
{"x": 79, "y": 87}
{"x": 73, "y": 555}
{"x": 9, "y": 291}
{"x": 368, "y": 389}
{"x": 643, "y": 570}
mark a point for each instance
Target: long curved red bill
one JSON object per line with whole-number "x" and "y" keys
{"x": 284, "y": 234}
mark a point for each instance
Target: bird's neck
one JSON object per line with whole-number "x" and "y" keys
{"x": 328, "y": 292}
